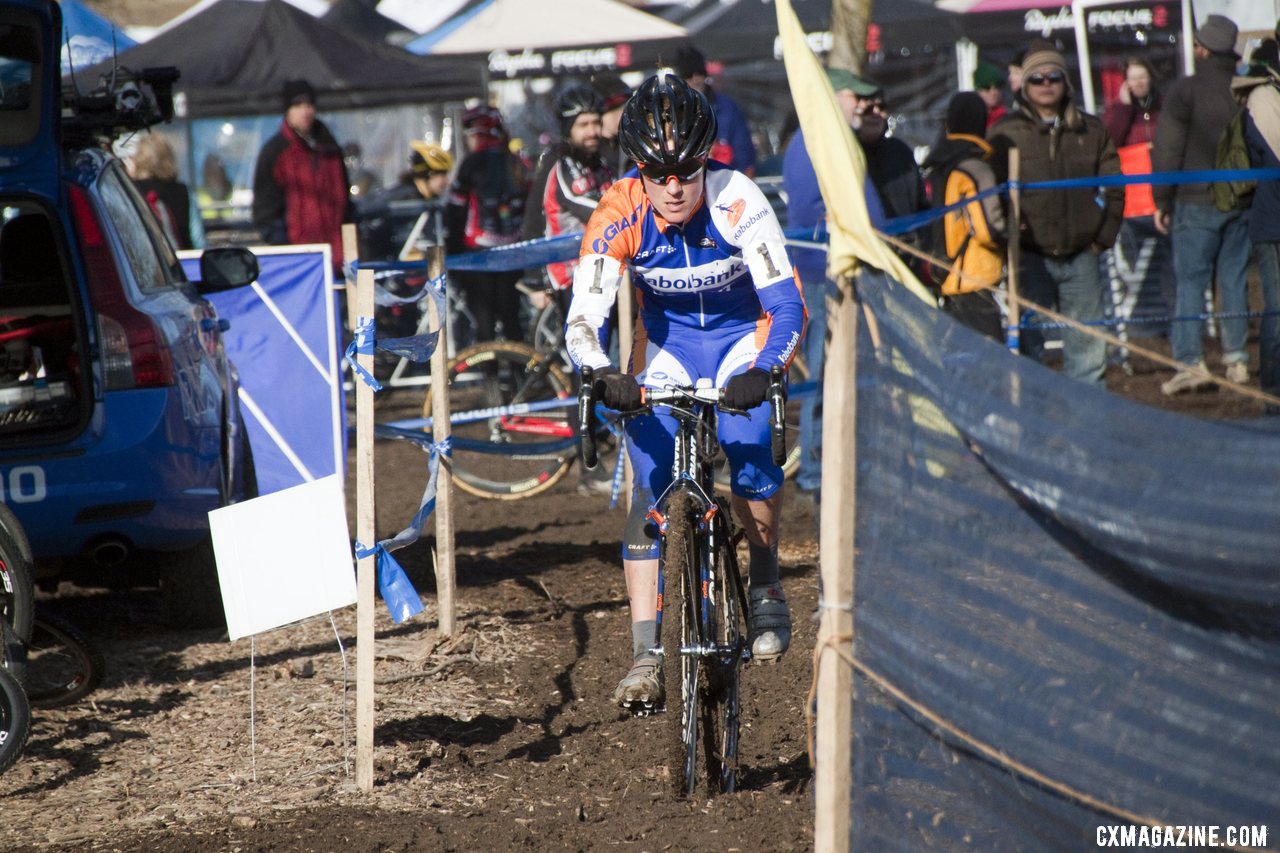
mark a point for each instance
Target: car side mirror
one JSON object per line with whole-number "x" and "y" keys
{"x": 226, "y": 268}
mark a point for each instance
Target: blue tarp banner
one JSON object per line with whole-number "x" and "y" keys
{"x": 88, "y": 38}
{"x": 284, "y": 341}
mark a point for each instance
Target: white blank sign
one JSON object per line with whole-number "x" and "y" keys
{"x": 283, "y": 557}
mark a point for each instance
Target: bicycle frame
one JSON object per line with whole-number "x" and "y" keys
{"x": 692, "y": 472}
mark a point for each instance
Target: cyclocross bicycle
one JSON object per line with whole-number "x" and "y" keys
{"x": 699, "y": 581}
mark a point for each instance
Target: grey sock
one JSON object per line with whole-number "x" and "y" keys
{"x": 763, "y": 568}
{"x": 644, "y": 636}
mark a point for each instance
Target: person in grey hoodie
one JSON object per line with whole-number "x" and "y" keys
{"x": 1196, "y": 112}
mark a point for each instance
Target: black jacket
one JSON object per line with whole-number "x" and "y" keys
{"x": 1196, "y": 112}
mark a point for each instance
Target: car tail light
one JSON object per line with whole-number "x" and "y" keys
{"x": 134, "y": 354}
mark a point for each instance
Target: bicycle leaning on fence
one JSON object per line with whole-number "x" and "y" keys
{"x": 511, "y": 410}
{"x": 702, "y": 600}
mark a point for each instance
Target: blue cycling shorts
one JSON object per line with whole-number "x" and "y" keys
{"x": 682, "y": 360}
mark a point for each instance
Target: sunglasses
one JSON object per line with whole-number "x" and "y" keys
{"x": 684, "y": 173}
{"x": 1046, "y": 79}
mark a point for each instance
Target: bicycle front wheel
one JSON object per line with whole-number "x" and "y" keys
{"x": 680, "y": 618}
{"x": 722, "y": 679}
{"x": 63, "y": 666}
{"x": 15, "y": 719}
{"x": 512, "y": 420}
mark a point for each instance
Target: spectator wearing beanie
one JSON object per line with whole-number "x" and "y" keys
{"x": 988, "y": 82}
{"x": 301, "y": 193}
{"x": 1062, "y": 231}
{"x": 972, "y": 237}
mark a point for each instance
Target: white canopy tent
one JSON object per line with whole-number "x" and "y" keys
{"x": 513, "y": 25}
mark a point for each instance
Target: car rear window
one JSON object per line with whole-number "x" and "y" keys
{"x": 40, "y": 354}
{"x": 122, "y": 207}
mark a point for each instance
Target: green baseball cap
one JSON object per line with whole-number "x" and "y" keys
{"x": 842, "y": 78}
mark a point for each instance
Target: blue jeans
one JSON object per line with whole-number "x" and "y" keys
{"x": 1072, "y": 286}
{"x": 816, "y": 289}
{"x": 1203, "y": 237}
{"x": 1267, "y": 257}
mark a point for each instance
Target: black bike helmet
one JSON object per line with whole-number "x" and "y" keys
{"x": 666, "y": 123}
{"x": 574, "y": 100}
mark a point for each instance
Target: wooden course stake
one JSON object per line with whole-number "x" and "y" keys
{"x": 366, "y": 529}
{"x": 834, "y": 735}
{"x": 440, "y": 430}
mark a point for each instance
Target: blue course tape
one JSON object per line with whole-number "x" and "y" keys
{"x": 363, "y": 344}
{"x": 565, "y": 247}
{"x": 397, "y": 591}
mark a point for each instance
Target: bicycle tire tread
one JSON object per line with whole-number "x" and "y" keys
{"x": 15, "y": 720}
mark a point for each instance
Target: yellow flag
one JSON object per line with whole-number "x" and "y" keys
{"x": 838, "y": 161}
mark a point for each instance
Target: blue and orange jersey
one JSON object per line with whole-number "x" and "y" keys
{"x": 725, "y": 268}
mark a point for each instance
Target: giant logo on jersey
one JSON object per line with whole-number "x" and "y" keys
{"x": 733, "y": 210}
{"x": 600, "y": 245}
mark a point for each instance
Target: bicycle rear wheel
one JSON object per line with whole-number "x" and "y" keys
{"x": 512, "y": 455}
{"x": 63, "y": 666}
{"x": 679, "y": 560}
{"x": 797, "y": 373}
{"x": 15, "y": 719}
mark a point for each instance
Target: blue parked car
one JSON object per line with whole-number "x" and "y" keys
{"x": 120, "y": 427}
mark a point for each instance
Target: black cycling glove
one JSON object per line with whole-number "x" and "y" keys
{"x": 617, "y": 390}
{"x": 747, "y": 390}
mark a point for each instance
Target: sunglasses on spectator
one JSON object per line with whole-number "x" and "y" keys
{"x": 684, "y": 173}
{"x": 1046, "y": 79}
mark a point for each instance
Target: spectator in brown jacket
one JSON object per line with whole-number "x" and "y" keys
{"x": 1062, "y": 231}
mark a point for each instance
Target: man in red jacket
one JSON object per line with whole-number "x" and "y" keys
{"x": 300, "y": 185}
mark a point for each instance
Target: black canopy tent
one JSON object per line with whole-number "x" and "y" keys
{"x": 235, "y": 56}
{"x": 361, "y": 17}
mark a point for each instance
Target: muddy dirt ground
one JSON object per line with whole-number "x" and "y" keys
{"x": 501, "y": 737}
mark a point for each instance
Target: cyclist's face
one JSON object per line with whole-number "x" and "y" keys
{"x": 585, "y": 132}
{"x": 673, "y": 198}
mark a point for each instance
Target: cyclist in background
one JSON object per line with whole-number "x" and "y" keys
{"x": 484, "y": 209}
{"x": 718, "y": 299}
{"x": 569, "y": 181}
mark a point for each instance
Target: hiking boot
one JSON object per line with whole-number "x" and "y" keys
{"x": 1185, "y": 380}
{"x": 769, "y": 625}
{"x": 1238, "y": 372}
{"x": 641, "y": 691}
